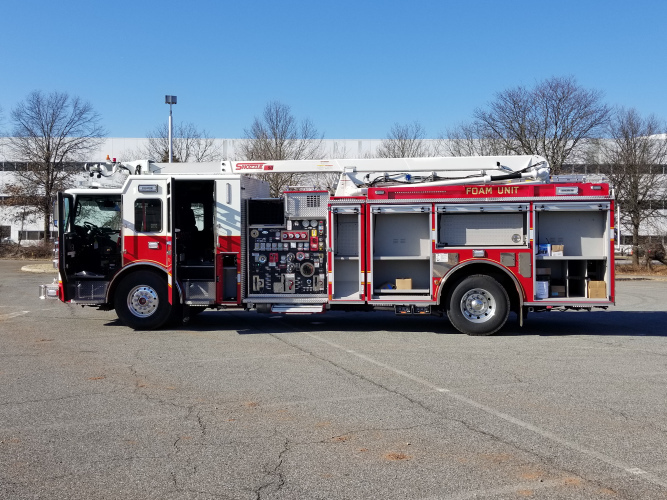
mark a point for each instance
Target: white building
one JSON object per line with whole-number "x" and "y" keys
{"x": 122, "y": 149}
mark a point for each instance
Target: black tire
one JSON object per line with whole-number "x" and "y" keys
{"x": 142, "y": 302}
{"x": 478, "y": 305}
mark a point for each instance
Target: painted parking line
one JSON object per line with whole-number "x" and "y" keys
{"x": 619, "y": 464}
{"x": 3, "y": 317}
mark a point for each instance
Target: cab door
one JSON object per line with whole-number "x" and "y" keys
{"x": 64, "y": 203}
{"x": 146, "y": 233}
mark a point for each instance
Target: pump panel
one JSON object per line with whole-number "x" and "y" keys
{"x": 289, "y": 260}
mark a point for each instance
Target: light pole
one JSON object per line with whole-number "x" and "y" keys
{"x": 170, "y": 99}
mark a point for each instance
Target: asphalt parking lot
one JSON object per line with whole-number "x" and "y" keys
{"x": 336, "y": 406}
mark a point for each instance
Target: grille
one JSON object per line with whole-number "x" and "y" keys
{"x": 306, "y": 204}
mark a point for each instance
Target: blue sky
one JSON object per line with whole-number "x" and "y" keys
{"x": 353, "y": 67}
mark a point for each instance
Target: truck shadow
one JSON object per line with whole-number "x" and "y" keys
{"x": 602, "y": 323}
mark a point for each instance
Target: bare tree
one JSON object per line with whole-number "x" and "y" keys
{"x": 49, "y": 132}
{"x": 277, "y": 135}
{"x": 553, "y": 119}
{"x": 404, "y": 141}
{"x": 469, "y": 139}
{"x": 634, "y": 155}
{"x": 189, "y": 145}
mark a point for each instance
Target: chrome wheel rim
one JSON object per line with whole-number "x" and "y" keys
{"x": 142, "y": 301}
{"x": 478, "y": 305}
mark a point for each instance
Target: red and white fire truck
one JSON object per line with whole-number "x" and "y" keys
{"x": 473, "y": 237}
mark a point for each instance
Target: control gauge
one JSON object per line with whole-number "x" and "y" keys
{"x": 313, "y": 223}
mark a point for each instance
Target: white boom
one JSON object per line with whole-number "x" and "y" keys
{"x": 356, "y": 174}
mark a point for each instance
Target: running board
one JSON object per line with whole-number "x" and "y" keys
{"x": 297, "y": 309}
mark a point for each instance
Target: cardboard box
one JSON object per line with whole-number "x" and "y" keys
{"x": 557, "y": 291}
{"x": 404, "y": 284}
{"x": 557, "y": 250}
{"x": 544, "y": 249}
{"x": 597, "y": 290}
{"x": 542, "y": 289}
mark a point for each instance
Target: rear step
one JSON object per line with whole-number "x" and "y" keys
{"x": 297, "y": 309}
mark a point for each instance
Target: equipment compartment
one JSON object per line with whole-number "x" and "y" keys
{"x": 401, "y": 250}
{"x": 581, "y": 232}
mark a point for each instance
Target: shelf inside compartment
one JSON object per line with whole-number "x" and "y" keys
{"x": 570, "y": 273}
{"x": 388, "y": 271}
{"x": 411, "y": 291}
{"x": 401, "y": 257}
{"x": 346, "y": 257}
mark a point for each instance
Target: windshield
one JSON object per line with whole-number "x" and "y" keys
{"x": 101, "y": 211}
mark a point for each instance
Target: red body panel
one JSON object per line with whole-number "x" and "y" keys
{"x": 136, "y": 249}
{"x": 470, "y": 193}
{"x": 229, "y": 244}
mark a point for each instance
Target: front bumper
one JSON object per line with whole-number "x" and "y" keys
{"x": 49, "y": 291}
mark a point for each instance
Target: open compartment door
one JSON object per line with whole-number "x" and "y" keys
{"x": 346, "y": 260}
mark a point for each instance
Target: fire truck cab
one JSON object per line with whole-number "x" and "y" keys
{"x": 473, "y": 238}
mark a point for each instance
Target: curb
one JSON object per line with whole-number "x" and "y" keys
{"x": 641, "y": 278}
{"x": 39, "y": 268}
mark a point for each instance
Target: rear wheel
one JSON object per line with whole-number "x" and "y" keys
{"x": 142, "y": 302}
{"x": 478, "y": 305}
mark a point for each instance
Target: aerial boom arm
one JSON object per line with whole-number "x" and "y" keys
{"x": 357, "y": 174}
{"x": 429, "y": 164}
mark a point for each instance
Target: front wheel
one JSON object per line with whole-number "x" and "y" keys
{"x": 478, "y": 305}
{"x": 141, "y": 301}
